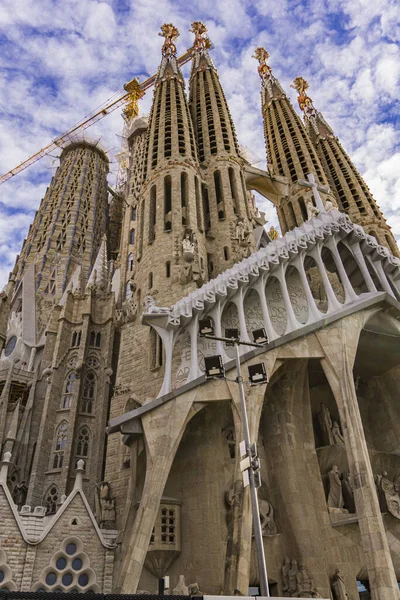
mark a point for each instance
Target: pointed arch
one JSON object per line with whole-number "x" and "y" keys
{"x": 83, "y": 444}
{"x": 50, "y": 499}
{"x": 88, "y": 393}
{"x": 69, "y": 385}
{"x": 59, "y": 445}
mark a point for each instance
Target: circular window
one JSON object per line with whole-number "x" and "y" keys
{"x": 77, "y": 564}
{"x": 1, "y": 576}
{"x": 10, "y": 345}
{"x": 67, "y": 579}
{"x": 61, "y": 563}
{"x": 71, "y": 549}
{"x": 83, "y": 579}
{"x": 51, "y": 578}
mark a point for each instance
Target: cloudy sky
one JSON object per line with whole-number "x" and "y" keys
{"x": 60, "y": 60}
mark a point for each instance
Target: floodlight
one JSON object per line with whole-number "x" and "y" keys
{"x": 232, "y": 334}
{"x": 206, "y": 327}
{"x": 260, "y": 336}
{"x": 214, "y": 367}
{"x": 257, "y": 374}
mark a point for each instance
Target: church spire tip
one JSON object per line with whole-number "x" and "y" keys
{"x": 305, "y": 103}
{"x": 201, "y": 45}
{"x": 169, "y": 68}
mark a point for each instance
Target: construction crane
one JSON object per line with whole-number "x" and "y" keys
{"x": 133, "y": 91}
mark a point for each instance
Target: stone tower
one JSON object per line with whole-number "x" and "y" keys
{"x": 351, "y": 191}
{"x": 290, "y": 152}
{"x": 226, "y": 207}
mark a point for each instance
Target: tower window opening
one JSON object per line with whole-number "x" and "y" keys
{"x": 226, "y": 253}
{"x": 83, "y": 442}
{"x": 50, "y": 500}
{"x": 184, "y": 194}
{"x": 98, "y": 339}
{"x": 168, "y": 269}
{"x": 234, "y": 194}
{"x": 156, "y": 350}
{"x": 152, "y": 214}
{"x": 292, "y": 215}
{"x": 303, "y": 208}
{"x": 210, "y": 264}
{"x": 167, "y": 203}
{"x": 68, "y": 391}
{"x": 92, "y": 339}
{"x": 132, "y": 236}
{"x": 60, "y": 443}
{"x": 206, "y": 207}
{"x": 131, "y": 262}
{"x": 88, "y": 393}
{"x": 133, "y": 213}
{"x": 139, "y": 245}
{"x": 219, "y": 195}
{"x": 76, "y": 339}
{"x": 198, "y": 204}
{"x": 150, "y": 281}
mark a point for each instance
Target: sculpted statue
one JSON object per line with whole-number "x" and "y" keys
{"x": 242, "y": 232}
{"x": 335, "y": 497}
{"x": 325, "y": 425}
{"x": 285, "y": 577}
{"x": 19, "y": 494}
{"x": 293, "y": 591}
{"x": 151, "y": 307}
{"x": 312, "y": 211}
{"x": 348, "y": 493}
{"x": 181, "y": 588}
{"x": 329, "y": 205}
{"x": 194, "y": 590}
{"x": 338, "y": 439}
{"x": 305, "y": 584}
{"x": 389, "y": 492}
{"x": 268, "y": 524}
{"x": 188, "y": 246}
{"x": 105, "y": 505}
{"x": 339, "y": 587}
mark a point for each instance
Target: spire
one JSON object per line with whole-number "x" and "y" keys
{"x": 99, "y": 273}
{"x": 271, "y": 89}
{"x": 168, "y": 68}
{"x": 351, "y": 191}
{"x": 201, "y": 45}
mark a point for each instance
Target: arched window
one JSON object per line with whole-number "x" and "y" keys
{"x": 83, "y": 443}
{"x": 152, "y": 214}
{"x": 133, "y": 213}
{"x": 59, "y": 449}
{"x": 68, "y": 390}
{"x": 88, "y": 392}
{"x": 92, "y": 338}
{"x": 76, "y": 338}
{"x": 132, "y": 236}
{"x": 50, "y": 499}
{"x": 131, "y": 262}
{"x": 98, "y": 339}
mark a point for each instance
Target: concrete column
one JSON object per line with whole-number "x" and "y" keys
{"x": 350, "y": 294}
{"x": 333, "y": 302}
{"x": 338, "y": 368}
{"x": 260, "y": 287}
{"x": 359, "y": 256}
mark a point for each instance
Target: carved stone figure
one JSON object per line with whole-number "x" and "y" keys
{"x": 312, "y": 211}
{"x": 188, "y": 246}
{"x": 105, "y": 505}
{"x": 348, "y": 493}
{"x": 185, "y": 273}
{"x": 19, "y": 494}
{"x": 293, "y": 578}
{"x": 390, "y": 493}
{"x": 329, "y": 205}
{"x": 242, "y": 232}
{"x": 335, "y": 497}
{"x": 285, "y": 577}
{"x": 181, "y": 588}
{"x": 229, "y": 436}
{"x": 194, "y": 590}
{"x": 268, "y": 525}
{"x": 305, "y": 584}
{"x": 338, "y": 439}
{"x": 151, "y": 307}
{"x": 339, "y": 587}
{"x": 325, "y": 425}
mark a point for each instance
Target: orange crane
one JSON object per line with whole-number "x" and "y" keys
{"x": 133, "y": 92}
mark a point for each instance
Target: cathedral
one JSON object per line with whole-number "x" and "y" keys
{"x": 120, "y": 458}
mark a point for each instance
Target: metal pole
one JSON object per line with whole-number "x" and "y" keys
{"x": 262, "y": 568}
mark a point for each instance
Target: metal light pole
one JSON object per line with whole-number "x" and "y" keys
{"x": 262, "y": 567}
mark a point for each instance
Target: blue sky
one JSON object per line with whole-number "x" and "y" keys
{"x": 59, "y": 60}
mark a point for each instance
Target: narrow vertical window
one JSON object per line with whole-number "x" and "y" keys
{"x": 133, "y": 213}
{"x": 156, "y": 352}
{"x": 184, "y": 193}
{"x": 98, "y": 340}
{"x": 167, "y": 204}
{"x": 59, "y": 448}
{"x": 206, "y": 207}
{"x": 199, "y": 215}
{"x": 168, "y": 269}
{"x": 68, "y": 390}
{"x": 150, "y": 281}
{"x": 132, "y": 236}
{"x": 92, "y": 338}
{"x": 88, "y": 392}
{"x": 152, "y": 214}
{"x": 131, "y": 262}
{"x": 219, "y": 195}
{"x": 303, "y": 208}
{"x": 141, "y": 232}
{"x": 234, "y": 193}
{"x": 226, "y": 253}
{"x": 82, "y": 444}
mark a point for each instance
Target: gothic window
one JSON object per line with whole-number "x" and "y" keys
{"x": 133, "y": 213}
{"x": 68, "y": 390}
{"x": 98, "y": 339}
{"x": 167, "y": 526}
{"x": 198, "y": 204}
{"x": 152, "y": 214}
{"x": 219, "y": 195}
{"x": 50, "y": 499}
{"x": 184, "y": 192}
{"x": 83, "y": 443}
{"x": 88, "y": 392}
{"x": 156, "y": 350}
{"x": 167, "y": 203}
{"x": 51, "y": 286}
{"x": 76, "y": 338}
{"x": 61, "y": 441}
{"x": 132, "y": 236}
{"x": 131, "y": 262}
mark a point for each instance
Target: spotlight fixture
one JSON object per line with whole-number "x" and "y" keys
{"x": 206, "y": 327}
{"x": 260, "y": 336}
{"x": 257, "y": 374}
{"x": 214, "y": 367}
{"x": 232, "y": 334}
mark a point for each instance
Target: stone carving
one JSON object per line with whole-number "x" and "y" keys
{"x": 331, "y": 205}
{"x": 338, "y": 439}
{"x": 188, "y": 246}
{"x": 273, "y": 233}
{"x": 285, "y": 577}
{"x": 268, "y": 524}
{"x": 181, "y": 588}
{"x": 312, "y": 211}
{"x": 348, "y": 493}
{"x": 388, "y": 494}
{"x": 242, "y": 232}
{"x": 229, "y": 436}
{"x": 335, "y": 497}
{"x": 151, "y": 307}
{"x": 339, "y": 587}
{"x": 19, "y": 494}
{"x": 305, "y": 584}
{"x": 325, "y": 425}
{"x": 194, "y": 590}
{"x": 293, "y": 578}
{"x": 105, "y": 505}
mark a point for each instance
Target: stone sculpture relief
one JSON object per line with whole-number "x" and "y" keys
{"x": 338, "y": 439}
{"x": 19, "y": 494}
{"x": 229, "y": 436}
{"x": 305, "y": 583}
{"x": 388, "y": 494}
{"x": 348, "y": 493}
{"x": 151, "y": 307}
{"x": 329, "y": 430}
{"x": 105, "y": 505}
{"x": 268, "y": 524}
{"x": 312, "y": 211}
{"x": 335, "y": 496}
{"x": 296, "y": 580}
{"x": 181, "y": 589}
{"x": 339, "y": 587}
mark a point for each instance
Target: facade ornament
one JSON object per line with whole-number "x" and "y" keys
{"x": 293, "y": 591}
{"x": 181, "y": 589}
{"x": 19, "y": 494}
{"x": 348, "y": 493}
{"x": 285, "y": 577}
{"x": 331, "y": 205}
{"x": 188, "y": 246}
{"x": 338, "y": 439}
{"x": 305, "y": 102}
{"x": 305, "y": 583}
{"x": 151, "y": 307}
{"x": 194, "y": 590}
{"x": 201, "y": 46}
{"x": 242, "y": 232}
{"x": 312, "y": 211}
{"x": 273, "y": 233}
{"x": 339, "y": 587}
{"x": 171, "y": 34}
{"x": 268, "y": 525}
{"x": 264, "y": 70}
{"x": 388, "y": 493}
{"x": 335, "y": 497}
{"x": 168, "y": 51}
{"x": 229, "y": 436}
{"x": 105, "y": 506}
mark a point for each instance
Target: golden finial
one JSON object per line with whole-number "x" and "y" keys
{"x": 273, "y": 233}
{"x": 201, "y": 40}
{"x": 135, "y": 93}
{"x": 171, "y": 34}
{"x": 301, "y": 85}
{"x": 262, "y": 55}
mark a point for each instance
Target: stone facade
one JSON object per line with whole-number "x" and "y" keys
{"x": 99, "y": 329}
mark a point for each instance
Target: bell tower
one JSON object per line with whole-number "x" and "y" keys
{"x": 352, "y": 192}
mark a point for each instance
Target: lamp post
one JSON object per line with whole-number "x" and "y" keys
{"x": 250, "y": 464}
